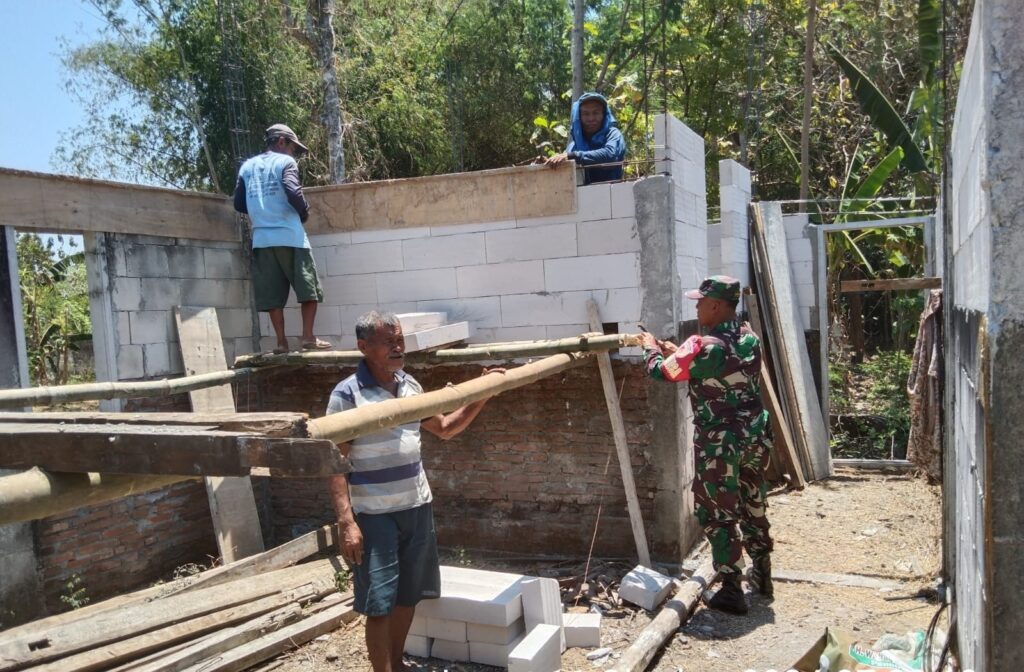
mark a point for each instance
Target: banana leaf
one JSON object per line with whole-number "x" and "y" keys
{"x": 929, "y": 39}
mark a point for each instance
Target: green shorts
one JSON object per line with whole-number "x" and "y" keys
{"x": 275, "y": 269}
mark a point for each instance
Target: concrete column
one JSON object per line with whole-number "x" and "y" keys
{"x": 21, "y": 595}
{"x": 674, "y": 528}
{"x": 105, "y": 338}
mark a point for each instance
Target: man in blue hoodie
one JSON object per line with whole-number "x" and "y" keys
{"x": 594, "y": 140}
{"x": 268, "y": 190}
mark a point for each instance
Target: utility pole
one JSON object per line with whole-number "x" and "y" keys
{"x": 805, "y": 134}
{"x": 578, "y": 10}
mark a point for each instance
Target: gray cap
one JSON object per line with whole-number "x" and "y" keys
{"x": 282, "y": 131}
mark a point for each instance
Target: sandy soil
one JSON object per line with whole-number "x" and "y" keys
{"x": 853, "y": 523}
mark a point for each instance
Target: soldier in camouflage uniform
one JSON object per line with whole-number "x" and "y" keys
{"x": 731, "y": 447}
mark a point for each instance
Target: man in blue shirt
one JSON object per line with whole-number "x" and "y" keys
{"x": 268, "y": 190}
{"x": 594, "y": 140}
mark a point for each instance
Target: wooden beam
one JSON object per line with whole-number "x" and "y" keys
{"x": 348, "y": 425}
{"x": 611, "y": 397}
{"x": 889, "y": 284}
{"x": 474, "y": 353}
{"x": 874, "y": 465}
{"x": 278, "y": 424}
{"x": 236, "y": 522}
{"x": 63, "y": 204}
{"x": 442, "y": 200}
{"x": 664, "y": 626}
{"x": 57, "y": 394}
{"x": 162, "y": 450}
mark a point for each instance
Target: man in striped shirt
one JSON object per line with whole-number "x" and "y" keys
{"x": 384, "y": 504}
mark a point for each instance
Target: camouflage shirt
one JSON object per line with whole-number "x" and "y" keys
{"x": 725, "y": 388}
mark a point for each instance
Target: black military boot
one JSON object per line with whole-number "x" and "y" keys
{"x": 761, "y": 576}
{"x": 729, "y": 597}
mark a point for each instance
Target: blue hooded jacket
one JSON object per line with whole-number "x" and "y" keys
{"x": 605, "y": 146}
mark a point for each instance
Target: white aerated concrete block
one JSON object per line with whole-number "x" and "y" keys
{"x": 432, "y": 338}
{"x": 418, "y": 626}
{"x": 501, "y": 279}
{"x": 534, "y": 242}
{"x": 608, "y": 236}
{"x": 412, "y": 322}
{"x": 542, "y": 604}
{"x": 476, "y": 596}
{"x": 443, "y": 252}
{"x": 494, "y": 634}
{"x": 446, "y": 650}
{"x": 418, "y": 645}
{"x": 538, "y": 652}
{"x": 484, "y": 653}
{"x": 447, "y": 629}
{"x": 645, "y": 587}
{"x": 608, "y": 271}
{"x": 582, "y": 630}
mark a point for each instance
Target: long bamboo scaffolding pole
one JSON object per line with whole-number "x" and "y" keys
{"x": 473, "y": 353}
{"x": 56, "y": 394}
{"x": 34, "y": 494}
{"x": 348, "y": 425}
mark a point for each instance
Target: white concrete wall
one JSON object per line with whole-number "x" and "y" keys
{"x": 146, "y": 277}
{"x": 512, "y": 280}
{"x": 801, "y": 265}
{"x": 680, "y": 152}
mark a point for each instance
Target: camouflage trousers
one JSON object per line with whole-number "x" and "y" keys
{"x": 729, "y": 491}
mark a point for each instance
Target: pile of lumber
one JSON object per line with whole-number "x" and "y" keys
{"x": 222, "y": 620}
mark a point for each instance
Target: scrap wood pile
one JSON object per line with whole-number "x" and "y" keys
{"x": 226, "y": 619}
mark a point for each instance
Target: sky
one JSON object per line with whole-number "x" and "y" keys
{"x": 34, "y": 108}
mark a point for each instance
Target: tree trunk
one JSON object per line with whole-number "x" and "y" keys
{"x": 578, "y": 9}
{"x": 323, "y": 13}
{"x": 805, "y": 134}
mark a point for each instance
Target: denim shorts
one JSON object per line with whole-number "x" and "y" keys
{"x": 400, "y": 564}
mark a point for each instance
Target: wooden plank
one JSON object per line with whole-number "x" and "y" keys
{"x": 279, "y": 424}
{"x": 611, "y": 397}
{"x": 435, "y": 338}
{"x": 116, "y": 653}
{"x": 672, "y": 616}
{"x": 38, "y": 642}
{"x": 162, "y": 449}
{"x": 443, "y": 200}
{"x": 236, "y": 522}
{"x": 62, "y": 204}
{"x": 889, "y": 284}
{"x": 268, "y": 646}
{"x": 771, "y": 263}
{"x": 874, "y": 465}
{"x": 477, "y": 352}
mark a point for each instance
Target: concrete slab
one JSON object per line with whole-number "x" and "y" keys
{"x": 582, "y": 630}
{"x": 538, "y": 652}
{"x": 446, "y": 650}
{"x": 418, "y": 645}
{"x": 645, "y": 587}
{"x": 542, "y": 604}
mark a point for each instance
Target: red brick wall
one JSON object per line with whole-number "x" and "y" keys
{"x": 527, "y": 476}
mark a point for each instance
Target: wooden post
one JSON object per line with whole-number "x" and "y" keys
{"x": 611, "y": 397}
{"x": 232, "y": 503}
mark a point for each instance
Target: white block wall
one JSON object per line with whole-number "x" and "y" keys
{"x": 146, "y": 277}
{"x": 801, "y": 265}
{"x": 512, "y": 280}
{"x": 680, "y": 152}
{"x": 733, "y": 234}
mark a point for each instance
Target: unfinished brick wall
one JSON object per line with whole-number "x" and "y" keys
{"x": 527, "y": 476}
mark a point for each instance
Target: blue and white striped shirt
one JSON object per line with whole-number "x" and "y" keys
{"x": 387, "y": 473}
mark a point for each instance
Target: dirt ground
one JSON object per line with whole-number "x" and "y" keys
{"x": 868, "y": 525}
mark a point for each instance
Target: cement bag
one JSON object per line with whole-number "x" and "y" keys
{"x": 839, "y": 651}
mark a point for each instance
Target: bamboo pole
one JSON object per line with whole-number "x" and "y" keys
{"x": 56, "y": 394}
{"x": 675, "y": 612}
{"x": 611, "y": 397}
{"x": 34, "y": 494}
{"x": 348, "y": 425}
{"x": 473, "y": 353}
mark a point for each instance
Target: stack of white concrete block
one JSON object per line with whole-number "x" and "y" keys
{"x": 504, "y": 620}
{"x": 801, "y": 265}
{"x": 426, "y": 330}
